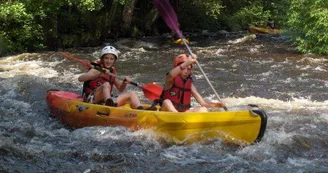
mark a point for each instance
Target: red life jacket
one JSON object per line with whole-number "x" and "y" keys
{"x": 91, "y": 85}
{"x": 179, "y": 93}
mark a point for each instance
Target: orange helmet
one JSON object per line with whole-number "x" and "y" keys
{"x": 179, "y": 59}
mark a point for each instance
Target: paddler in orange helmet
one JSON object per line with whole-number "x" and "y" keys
{"x": 98, "y": 87}
{"x": 179, "y": 88}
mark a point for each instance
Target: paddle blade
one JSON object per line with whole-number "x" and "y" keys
{"x": 152, "y": 91}
{"x": 168, "y": 14}
{"x": 69, "y": 56}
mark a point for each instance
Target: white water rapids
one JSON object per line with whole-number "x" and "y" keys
{"x": 291, "y": 88}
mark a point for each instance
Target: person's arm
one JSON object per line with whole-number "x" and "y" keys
{"x": 90, "y": 75}
{"x": 121, "y": 86}
{"x": 215, "y": 105}
{"x": 197, "y": 96}
{"x": 177, "y": 70}
{"x": 204, "y": 103}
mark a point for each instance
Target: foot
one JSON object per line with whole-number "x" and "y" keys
{"x": 151, "y": 108}
{"x": 140, "y": 108}
{"x": 110, "y": 102}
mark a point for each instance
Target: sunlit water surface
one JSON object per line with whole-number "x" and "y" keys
{"x": 265, "y": 70}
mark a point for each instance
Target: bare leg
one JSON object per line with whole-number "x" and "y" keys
{"x": 102, "y": 93}
{"x": 168, "y": 106}
{"x": 131, "y": 96}
{"x": 198, "y": 109}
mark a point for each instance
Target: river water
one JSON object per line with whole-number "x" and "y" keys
{"x": 264, "y": 70}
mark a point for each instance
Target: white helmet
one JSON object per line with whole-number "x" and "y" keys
{"x": 111, "y": 50}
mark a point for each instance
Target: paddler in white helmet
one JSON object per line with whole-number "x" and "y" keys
{"x": 98, "y": 86}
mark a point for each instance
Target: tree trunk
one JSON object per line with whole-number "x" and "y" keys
{"x": 109, "y": 17}
{"x": 150, "y": 19}
{"x": 127, "y": 16}
{"x": 50, "y": 32}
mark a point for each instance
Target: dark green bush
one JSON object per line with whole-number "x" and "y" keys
{"x": 18, "y": 31}
{"x": 309, "y": 20}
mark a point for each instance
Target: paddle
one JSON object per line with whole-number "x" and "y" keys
{"x": 151, "y": 90}
{"x": 168, "y": 14}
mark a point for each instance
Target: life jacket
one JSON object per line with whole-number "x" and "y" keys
{"x": 90, "y": 85}
{"x": 179, "y": 93}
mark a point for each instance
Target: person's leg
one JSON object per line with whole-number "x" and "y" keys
{"x": 167, "y": 105}
{"x": 131, "y": 97}
{"x": 102, "y": 93}
{"x": 198, "y": 109}
{"x": 106, "y": 88}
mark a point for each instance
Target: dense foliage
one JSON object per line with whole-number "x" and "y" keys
{"x": 19, "y": 30}
{"x": 29, "y": 25}
{"x": 309, "y": 20}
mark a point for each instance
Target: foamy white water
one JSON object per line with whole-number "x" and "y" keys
{"x": 291, "y": 87}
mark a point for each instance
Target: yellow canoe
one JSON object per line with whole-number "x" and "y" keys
{"x": 255, "y": 30}
{"x": 240, "y": 127}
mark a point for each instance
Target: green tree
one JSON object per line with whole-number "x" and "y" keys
{"x": 18, "y": 30}
{"x": 278, "y": 11}
{"x": 74, "y": 14}
{"x": 199, "y": 14}
{"x": 309, "y": 20}
{"x": 254, "y": 14}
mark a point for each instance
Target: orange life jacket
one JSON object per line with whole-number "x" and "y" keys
{"x": 179, "y": 93}
{"x": 91, "y": 85}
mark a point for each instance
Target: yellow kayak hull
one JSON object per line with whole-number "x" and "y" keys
{"x": 255, "y": 30}
{"x": 240, "y": 127}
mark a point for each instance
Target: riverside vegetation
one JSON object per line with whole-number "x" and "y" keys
{"x": 34, "y": 25}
